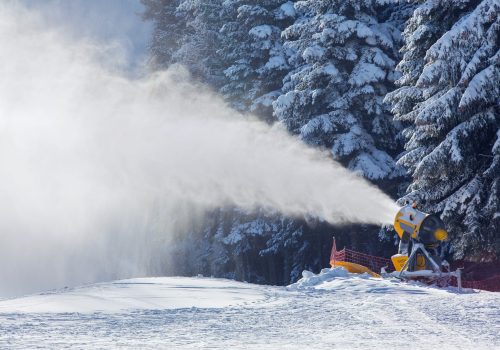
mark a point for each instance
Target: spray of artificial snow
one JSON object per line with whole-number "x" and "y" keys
{"x": 88, "y": 156}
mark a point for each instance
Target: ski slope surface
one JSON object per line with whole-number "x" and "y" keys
{"x": 331, "y": 310}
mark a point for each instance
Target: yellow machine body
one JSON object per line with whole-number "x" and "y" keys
{"x": 408, "y": 219}
{"x": 419, "y": 225}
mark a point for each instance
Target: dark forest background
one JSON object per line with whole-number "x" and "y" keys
{"x": 403, "y": 93}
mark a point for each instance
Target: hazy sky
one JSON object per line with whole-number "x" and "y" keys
{"x": 104, "y": 20}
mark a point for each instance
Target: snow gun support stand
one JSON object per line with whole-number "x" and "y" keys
{"x": 425, "y": 232}
{"x": 436, "y": 273}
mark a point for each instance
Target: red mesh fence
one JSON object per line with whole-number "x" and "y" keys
{"x": 375, "y": 263}
{"x": 491, "y": 284}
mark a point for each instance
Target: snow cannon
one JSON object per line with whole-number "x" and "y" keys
{"x": 411, "y": 223}
{"x": 421, "y": 234}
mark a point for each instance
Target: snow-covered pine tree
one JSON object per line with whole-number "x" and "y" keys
{"x": 202, "y": 40}
{"x": 253, "y": 54}
{"x": 252, "y": 48}
{"x": 263, "y": 247}
{"x": 449, "y": 95}
{"x": 342, "y": 57}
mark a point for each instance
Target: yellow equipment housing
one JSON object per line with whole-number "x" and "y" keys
{"x": 422, "y": 227}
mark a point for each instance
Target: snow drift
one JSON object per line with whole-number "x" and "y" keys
{"x": 96, "y": 165}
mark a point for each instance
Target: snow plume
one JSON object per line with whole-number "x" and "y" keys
{"x": 95, "y": 166}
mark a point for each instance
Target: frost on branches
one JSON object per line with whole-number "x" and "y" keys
{"x": 449, "y": 99}
{"x": 253, "y": 51}
{"x": 342, "y": 58}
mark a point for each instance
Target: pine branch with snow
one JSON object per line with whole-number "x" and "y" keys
{"x": 449, "y": 98}
{"x": 342, "y": 58}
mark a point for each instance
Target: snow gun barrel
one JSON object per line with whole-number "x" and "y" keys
{"x": 411, "y": 223}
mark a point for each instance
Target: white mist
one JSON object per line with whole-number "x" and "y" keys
{"x": 88, "y": 155}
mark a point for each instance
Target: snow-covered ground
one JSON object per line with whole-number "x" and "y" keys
{"x": 332, "y": 310}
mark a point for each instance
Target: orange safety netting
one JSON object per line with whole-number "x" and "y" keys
{"x": 375, "y": 263}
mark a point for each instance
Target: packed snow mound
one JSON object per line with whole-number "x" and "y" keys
{"x": 310, "y": 279}
{"x": 339, "y": 279}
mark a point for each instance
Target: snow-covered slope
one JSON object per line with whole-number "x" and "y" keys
{"x": 331, "y": 310}
{"x": 139, "y": 294}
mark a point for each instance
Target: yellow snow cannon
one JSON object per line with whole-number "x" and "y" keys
{"x": 424, "y": 233}
{"x": 417, "y": 225}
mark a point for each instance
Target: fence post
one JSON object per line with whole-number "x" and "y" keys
{"x": 459, "y": 280}
{"x": 334, "y": 251}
